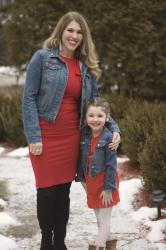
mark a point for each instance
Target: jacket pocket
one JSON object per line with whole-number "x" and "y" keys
{"x": 50, "y": 66}
{"x": 52, "y": 71}
{"x": 100, "y": 156}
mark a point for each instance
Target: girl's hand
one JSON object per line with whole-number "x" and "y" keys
{"x": 115, "y": 141}
{"x": 36, "y": 148}
{"x": 106, "y": 198}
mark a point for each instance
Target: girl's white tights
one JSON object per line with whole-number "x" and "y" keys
{"x": 103, "y": 216}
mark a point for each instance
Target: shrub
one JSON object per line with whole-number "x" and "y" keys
{"x": 2, "y": 103}
{"x": 119, "y": 105}
{"x": 153, "y": 158}
{"x": 11, "y": 119}
{"x": 138, "y": 124}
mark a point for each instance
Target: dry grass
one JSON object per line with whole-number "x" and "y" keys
{"x": 8, "y": 90}
{"x": 3, "y": 189}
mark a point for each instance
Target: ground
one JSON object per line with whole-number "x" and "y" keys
{"x": 22, "y": 228}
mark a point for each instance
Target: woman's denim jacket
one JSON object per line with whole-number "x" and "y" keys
{"x": 44, "y": 88}
{"x": 104, "y": 159}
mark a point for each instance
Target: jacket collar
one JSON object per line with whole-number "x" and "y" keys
{"x": 54, "y": 52}
{"x": 103, "y": 135}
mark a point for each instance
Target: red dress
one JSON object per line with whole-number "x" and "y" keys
{"x": 95, "y": 184}
{"x": 61, "y": 139}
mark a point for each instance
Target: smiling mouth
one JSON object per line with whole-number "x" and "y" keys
{"x": 73, "y": 43}
{"x": 95, "y": 125}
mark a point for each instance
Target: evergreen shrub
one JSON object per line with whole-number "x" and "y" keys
{"x": 2, "y": 103}
{"x": 119, "y": 105}
{"x": 138, "y": 124}
{"x": 153, "y": 157}
{"x": 11, "y": 126}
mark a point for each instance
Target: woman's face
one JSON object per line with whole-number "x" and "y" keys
{"x": 71, "y": 38}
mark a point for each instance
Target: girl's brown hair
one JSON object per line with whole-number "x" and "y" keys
{"x": 100, "y": 102}
{"x": 86, "y": 51}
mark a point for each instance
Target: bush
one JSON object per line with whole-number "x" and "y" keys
{"x": 138, "y": 124}
{"x": 11, "y": 126}
{"x": 2, "y": 104}
{"x": 119, "y": 105}
{"x": 153, "y": 158}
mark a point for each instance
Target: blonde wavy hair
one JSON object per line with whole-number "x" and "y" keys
{"x": 86, "y": 50}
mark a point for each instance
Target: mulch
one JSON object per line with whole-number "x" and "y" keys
{"x": 126, "y": 172}
{"x": 142, "y": 199}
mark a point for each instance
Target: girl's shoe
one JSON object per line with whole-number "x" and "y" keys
{"x": 111, "y": 245}
{"x": 93, "y": 247}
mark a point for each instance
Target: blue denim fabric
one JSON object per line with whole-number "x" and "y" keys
{"x": 104, "y": 159}
{"x": 44, "y": 88}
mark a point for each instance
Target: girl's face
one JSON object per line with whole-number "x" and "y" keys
{"x": 96, "y": 118}
{"x": 71, "y": 38}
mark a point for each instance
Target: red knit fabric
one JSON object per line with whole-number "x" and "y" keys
{"x": 95, "y": 184}
{"x": 61, "y": 139}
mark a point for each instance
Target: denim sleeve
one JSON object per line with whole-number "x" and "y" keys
{"x": 112, "y": 125}
{"x": 29, "y": 106}
{"x": 95, "y": 90}
{"x": 80, "y": 171}
{"x": 110, "y": 170}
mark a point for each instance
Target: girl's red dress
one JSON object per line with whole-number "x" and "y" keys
{"x": 94, "y": 185}
{"x": 61, "y": 139}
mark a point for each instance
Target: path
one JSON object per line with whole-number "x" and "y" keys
{"x": 82, "y": 226}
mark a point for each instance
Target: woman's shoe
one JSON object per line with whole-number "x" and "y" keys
{"x": 111, "y": 245}
{"x": 93, "y": 247}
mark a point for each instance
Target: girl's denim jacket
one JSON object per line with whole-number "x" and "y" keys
{"x": 45, "y": 85}
{"x": 104, "y": 159}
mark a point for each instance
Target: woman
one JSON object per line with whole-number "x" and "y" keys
{"x": 61, "y": 79}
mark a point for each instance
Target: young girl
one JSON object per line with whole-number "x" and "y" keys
{"x": 97, "y": 169}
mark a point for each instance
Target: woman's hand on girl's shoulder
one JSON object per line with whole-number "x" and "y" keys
{"x": 115, "y": 141}
{"x": 36, "y": 148}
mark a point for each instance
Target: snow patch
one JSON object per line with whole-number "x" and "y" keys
{"x": 158, "y": 230}
{"x": 2, "y": 150}
{"x": 121, "y": 160}
{"x": 2, "y": 203}
{"x": 6, "y": 220}
{"x": 21, "y": 152}
{"x": 144, "y": 213}
{"x": 7, "y": 243}
{"x": 6, "y": 70}
{"x": 127, "y": 191}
